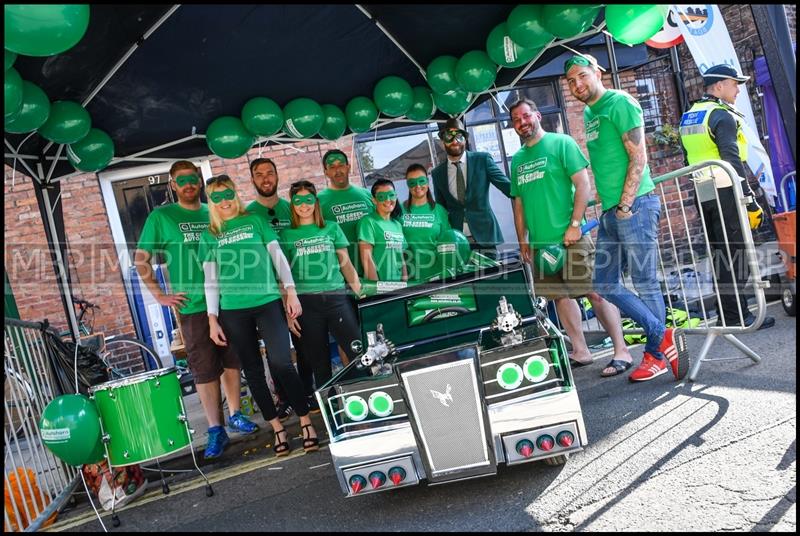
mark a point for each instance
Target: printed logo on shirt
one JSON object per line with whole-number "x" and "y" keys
{"x": 393, "y": 240}
{"x": 425, "y": 221}
{"x": 531, "y": 171}
{"x": 593, "y": 129}
{"x": 237, "y": 235}
{"x": 315, "y": 244}
{"x": 192, "y": 230}
{"x": 351, "y": 211}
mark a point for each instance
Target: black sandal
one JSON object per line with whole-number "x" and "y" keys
{"x": 281, "y": 448}
{"x": 619, "y": 367}
{"x": 310, "y": 444}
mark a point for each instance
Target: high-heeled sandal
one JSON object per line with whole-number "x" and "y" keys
{"x": 310, "y": 444}
{"x": 281, "y": 448}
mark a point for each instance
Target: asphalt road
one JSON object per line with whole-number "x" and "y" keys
{"x": 718, "y": 454}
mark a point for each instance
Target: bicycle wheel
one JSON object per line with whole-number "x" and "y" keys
{"x": 126, "y": 356}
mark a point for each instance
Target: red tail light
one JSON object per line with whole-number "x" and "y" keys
{"x": 357, "y": 483}
{"x": 565, "y": 439}
{"x": 545, "y": 442}
{"x": 397, "y": 475}
{"x": 525, "y": 448}
{"x": 377, "y": 479}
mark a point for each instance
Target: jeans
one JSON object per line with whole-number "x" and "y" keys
{"x": 239, "y": 326}
{"x": 632, "y": 243}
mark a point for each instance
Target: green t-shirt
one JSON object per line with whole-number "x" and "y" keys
{"x": 282, "y": 217}
{"x": 346, "y": 207}
{"x": 606, "y": 121}
{"x": 244, "y": 267}
{"x": 388, "y": 243}
{"x": 175, "y": 232}
{"x": 422, "y": 226}
{"x": 311, "y": 252}
{"x": 541, "y": 178}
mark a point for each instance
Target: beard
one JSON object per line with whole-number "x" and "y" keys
{"x": 454, "y": 150}
{"x": 267, "y": 192}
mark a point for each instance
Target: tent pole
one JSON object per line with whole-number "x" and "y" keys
{"x": 391, "y": 37}
{"x": 61, "y": 272}
{"x": 612, "y": 61}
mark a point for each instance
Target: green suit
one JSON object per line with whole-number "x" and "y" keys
{"x": 481, "y": 170}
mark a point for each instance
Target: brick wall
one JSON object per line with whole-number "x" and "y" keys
{"x": 92, "y": 256}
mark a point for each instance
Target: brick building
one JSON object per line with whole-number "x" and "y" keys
{"x": 93, "y": 260}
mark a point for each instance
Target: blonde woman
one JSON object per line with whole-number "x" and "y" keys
{"x": 241, "y": 257}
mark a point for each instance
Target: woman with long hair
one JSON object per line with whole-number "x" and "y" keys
{"x": 317, "y": 252}
{"x": 241, "y": 257}
{"x": 423, "y": 222}
{"x": 380, "y": 236}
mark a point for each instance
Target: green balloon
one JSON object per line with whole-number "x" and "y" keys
{"x": 44, "y": 29}
{"x": 476, "y": 71}
{"x": 422, "y": 107}
{"x": 227, "y": 137}
{"x": 361, "y": 113}
{"x": 441, "y": 74}
{"x": 70, "y": 428}
{"x": 504, "y": 51}
{"x": 68, "y": 122}
{"x": 10, "y": 59}
{"x": 528, "y": 26}
{"x": 302, "y": 118}
{"x": 13, "y": 92}
{"x": 633, "y": 24}
{"x": 334, "y": 124}
{"x": 91, "y": 153}
{"x": 33, "y": 113}
{"x": 569, "y": 21}
{"x": 454, "y": 102}
{"x": 549, "y": 260}
{"x": 393, "y": 96}
{"x": 262, "y": 116}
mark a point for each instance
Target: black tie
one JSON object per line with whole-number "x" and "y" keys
{"x": 461, "y": 185}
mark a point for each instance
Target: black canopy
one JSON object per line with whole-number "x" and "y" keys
{"x": 195, "y": 63}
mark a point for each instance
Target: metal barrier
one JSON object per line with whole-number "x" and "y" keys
{"x": 782, "y": 188}
{"x": 37, "y": 482}
{"x": 685, "y": 250}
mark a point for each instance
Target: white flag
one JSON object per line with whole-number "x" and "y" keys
{"x": 708, "y": 40}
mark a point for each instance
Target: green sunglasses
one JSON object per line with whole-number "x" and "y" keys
{"x": 419, "y": 181}
{"x": 183, "y": 180}
{"x": 335, "y": 157}
{"x": 308, "y": 199}
{"x": 222, "y": 195}
{"x": 578, "y": 60}
{"x": 389, "y": 195}
{"x": 448, "y": 137}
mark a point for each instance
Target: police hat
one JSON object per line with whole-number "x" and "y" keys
{"x": 722, "y": 72}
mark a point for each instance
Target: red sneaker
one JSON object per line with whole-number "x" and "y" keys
{"x": 648, "y": 369}
{"x": 673, "y": 346}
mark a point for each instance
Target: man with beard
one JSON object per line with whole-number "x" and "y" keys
{"x": 628, "y": 232}
{"x": 343, "y": 202}
{"x": 461, "y": 186}
{"x": 278, "y": 213}
{"x": 174, "y": 231}
{"x": 551, "y": 189}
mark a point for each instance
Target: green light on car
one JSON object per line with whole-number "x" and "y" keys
{"x": 509, "y": 376}
{"x": 381, "y": 404}
{"x": 536, "y": 368}
{"x": 355, "y": 408}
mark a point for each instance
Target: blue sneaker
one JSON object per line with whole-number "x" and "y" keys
{"x": 239, "y": 423}
{"x": 217, "y": 441}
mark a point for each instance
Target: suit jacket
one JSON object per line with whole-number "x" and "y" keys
{"x": 481, "y": 170}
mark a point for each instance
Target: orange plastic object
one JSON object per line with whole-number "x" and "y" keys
{"x": 786, "y": 229}
{"x": 23, "y": 484}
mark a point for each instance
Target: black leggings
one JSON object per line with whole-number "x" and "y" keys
{"x": 240, "y": 328}
{"x": 323, "y": 313}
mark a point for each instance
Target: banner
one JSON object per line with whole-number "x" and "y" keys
{"x": 708, "y": 40}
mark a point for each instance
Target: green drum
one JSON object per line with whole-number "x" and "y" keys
{"x": 141, "y": 416}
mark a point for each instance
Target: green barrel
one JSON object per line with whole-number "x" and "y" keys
{"x": 142, "y": 416}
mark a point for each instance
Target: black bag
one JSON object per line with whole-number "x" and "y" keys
{"x": 91, "y": 369}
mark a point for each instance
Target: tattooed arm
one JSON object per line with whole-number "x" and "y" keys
{"x": 637, "y": 155}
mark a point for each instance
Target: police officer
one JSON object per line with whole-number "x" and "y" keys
{"x": 712, "y": 130}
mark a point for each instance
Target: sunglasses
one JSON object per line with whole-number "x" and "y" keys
{"x": 332, "y": 159}
{"x": 451, "y": 135}
{"x": 419, "y": 181}
{"x": 222, "y": 195}
{"x": 579, "y": 60}
{"x": 183, "y": 180}
{"x": 308, "y": 199}
{"x": 389, "y": 195}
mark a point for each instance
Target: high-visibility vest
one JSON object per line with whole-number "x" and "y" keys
{"x": 698, "y": 142}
